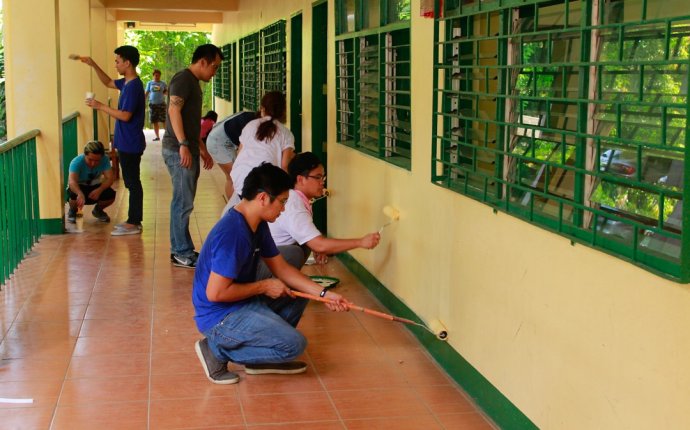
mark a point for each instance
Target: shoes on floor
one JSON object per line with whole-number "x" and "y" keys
{"x": 124, "y": 225}
{"x": 216, "y": 370}
{"x": 100, "y": 214}
{"x": 72, "y": 215}
{"x": 289, "y": 368}
{"x": 156, "y": 138}
{"x": 123, "y": 230}
{"x": 180, "y": 261}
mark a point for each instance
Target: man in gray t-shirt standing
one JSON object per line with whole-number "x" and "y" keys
{"x": 182, "y": 147}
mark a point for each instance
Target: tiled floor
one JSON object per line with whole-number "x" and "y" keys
{"x": 98, "y": 331}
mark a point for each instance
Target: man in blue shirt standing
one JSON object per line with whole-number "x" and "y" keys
{"x": 129, "y": 129}
{"x": 155, "y": 93}
{"x": 245, "y": 319}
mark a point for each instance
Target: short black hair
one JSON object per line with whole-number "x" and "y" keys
{"x": 207, "y": 52}
{"x": 129, "y": 53}
{"x": 267, "y": 178}
{"x": 211, "y": 115}
{"x": 156, "y": 71}
{"x": 302, "y": 164}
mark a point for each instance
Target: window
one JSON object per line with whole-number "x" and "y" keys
{"x": 223, "y": 81}
{"x": 262, "y": 65}
{"x": 373, "y": 79}
{"x": 571, "y": 115}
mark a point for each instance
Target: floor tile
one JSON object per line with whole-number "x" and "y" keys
{"x": 286, "y": 408}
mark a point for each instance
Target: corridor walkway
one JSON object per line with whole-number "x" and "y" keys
{"x": 97, "y": 330}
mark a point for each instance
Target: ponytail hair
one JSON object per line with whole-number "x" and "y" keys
{"x": 274, "y": 105}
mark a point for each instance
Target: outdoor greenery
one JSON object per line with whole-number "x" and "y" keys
{"x": 169, "y": 52}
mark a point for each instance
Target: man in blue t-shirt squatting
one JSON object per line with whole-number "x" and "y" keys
{"x": 247, "y": 320}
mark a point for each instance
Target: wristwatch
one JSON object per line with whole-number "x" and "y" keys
{"x": 184, "y": 143}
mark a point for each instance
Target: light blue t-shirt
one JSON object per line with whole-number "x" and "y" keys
{"x": 87, "y": 175}
{"x": 231, "y": 250}
{"x": 156, "y": 92}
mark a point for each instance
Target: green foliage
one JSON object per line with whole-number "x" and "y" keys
{"x": 169, "y": 52}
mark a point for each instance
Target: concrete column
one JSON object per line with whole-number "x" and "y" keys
{"x": 32, "y": 68}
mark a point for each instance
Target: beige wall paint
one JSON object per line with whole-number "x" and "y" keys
{"x": 32, "y": 69}
{"x": 76, "y": 76}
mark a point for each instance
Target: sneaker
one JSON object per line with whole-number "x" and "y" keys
{"x": 289, "y": 368}
{"x": 216, "y": 371}
{"x": 100, "y": 214}
{"x": 71, "y": 215}
{"x": 123, "y": 231}
{"x": 124, "y": 225}
{"x": 156, "y": 138}
{"x": 196, "y": 257}
{"x": 180, "y": 261}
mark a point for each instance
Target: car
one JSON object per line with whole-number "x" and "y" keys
{"x": 617, "y": 162}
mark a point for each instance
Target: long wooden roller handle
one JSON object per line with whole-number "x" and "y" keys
{"x": 355, "y": 307}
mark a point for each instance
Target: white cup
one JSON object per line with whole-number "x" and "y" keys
{"x": 90, "y": 95}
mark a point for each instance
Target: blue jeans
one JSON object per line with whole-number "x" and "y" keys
{"x": 184, "y": 190}
{"x": 262, "y": 331}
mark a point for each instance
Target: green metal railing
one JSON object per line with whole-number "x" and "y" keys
{"x": 572, "y": 115}
{"x": 69, "y": 143}
{"x": 19, "y": 211}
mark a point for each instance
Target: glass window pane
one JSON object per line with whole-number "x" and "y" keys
{"x": 346, "y": 16}
{"x": 372, "y": 14}
{"x": 398, "y": 10}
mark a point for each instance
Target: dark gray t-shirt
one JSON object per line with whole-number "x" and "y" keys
{"x": 186, "y": 86}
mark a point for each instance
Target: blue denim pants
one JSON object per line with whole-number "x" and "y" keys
{"x": 262, "y": 331}
{"x": 184, "y": 190}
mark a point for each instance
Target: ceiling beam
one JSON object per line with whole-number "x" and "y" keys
{"x": 199, "y": 5}
{"x": 169, "y": 17}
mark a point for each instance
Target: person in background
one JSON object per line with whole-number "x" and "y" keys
{"x": 182, "y": 148}
{"x": 263, "y": 140}
{"x": 244, "y": 318}
{"x": 89, "y": 183}
{"x": 156, "y": 90}
{"x": 223, "y": 141}
{"x": 295, "y": 227}
{"x": 207, "y": 123}
{"x": 129, "y": 140}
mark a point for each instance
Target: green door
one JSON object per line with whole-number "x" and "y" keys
{"x": 319, "y": 105}
{"x": 296, "y": 80}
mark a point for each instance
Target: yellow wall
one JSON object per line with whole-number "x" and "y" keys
{"x": 33, "y": 91}
{"x": 573, "y": 337}
{"x": 76, "y": 76}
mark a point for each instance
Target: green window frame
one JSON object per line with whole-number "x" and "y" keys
{"x": 249, "y": 64}
{"x": 356, "y": 15}
{"x": 263, "y": 64}
{"x": 373, "y": 91}
{"x": 571, "y": 115}
{"x": 223, "y": 80}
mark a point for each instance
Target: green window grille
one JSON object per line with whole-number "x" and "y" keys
{"x": 263, "y": 65}
{"x": 249, "y": 62}
{"x": 571, "y": 115}
{"x": 373, "y": 80}
{"x": 273, "y": 58}
{"x": 222, "y": 85}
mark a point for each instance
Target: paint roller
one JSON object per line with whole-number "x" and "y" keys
{"x": 326, "y": 193}
{"x": 435, "y": 327}
{"x": 74, "y": 57}
{"x": 393, "y": 215}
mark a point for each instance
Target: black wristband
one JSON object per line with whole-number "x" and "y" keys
{"x": 184, "y": 143}
{"x": 323, "y": 293}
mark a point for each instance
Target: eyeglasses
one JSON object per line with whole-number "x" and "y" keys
{"x": 283, "y": 202}
{"x": 321, "y": 178}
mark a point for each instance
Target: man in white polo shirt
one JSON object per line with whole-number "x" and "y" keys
{"x": 295, "y": 226}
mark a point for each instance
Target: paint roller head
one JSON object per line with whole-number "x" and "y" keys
{"x": 391, "y": 213}
{"x": 439, "y": 329}
{"x": 74, "y": 57}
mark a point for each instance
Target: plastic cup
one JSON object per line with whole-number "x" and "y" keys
{"x": 90, "y": 95}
